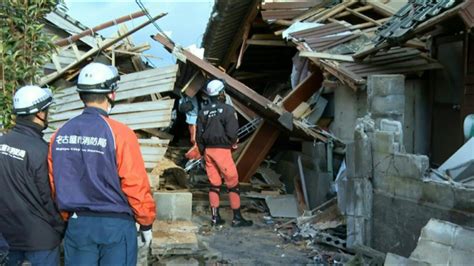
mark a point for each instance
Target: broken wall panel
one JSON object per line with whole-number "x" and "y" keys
{"x": 266, "y": 135}
{"x": 153, "y": 114}
{"x": 153, "y": 150}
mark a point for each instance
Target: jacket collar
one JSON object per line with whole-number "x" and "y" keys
{"x": 95, "y": 110}
{"x": 28, "y": 128}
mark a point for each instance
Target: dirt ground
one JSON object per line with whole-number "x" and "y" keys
{"x": 255, "y": 245}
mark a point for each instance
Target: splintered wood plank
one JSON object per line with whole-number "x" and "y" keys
{"x": 345, "y": 58}
{"x": 194, "y": 84}
{"x": 266, "y": 134}
{"x": 303, "y": 91}
{"x": 362, "y": 16}
{"x": 256, "y": 150}
{"x": 53, "y": 76}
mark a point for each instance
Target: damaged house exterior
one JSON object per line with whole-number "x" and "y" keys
{"x": 356, "y": 122}
{"x": 384, "y": 88}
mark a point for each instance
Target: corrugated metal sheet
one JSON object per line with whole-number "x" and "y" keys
{"x": 226, "y": 19}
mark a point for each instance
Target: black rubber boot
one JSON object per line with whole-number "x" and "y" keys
{"x": 239, "y": 221}
{"x": 216, "y": 217}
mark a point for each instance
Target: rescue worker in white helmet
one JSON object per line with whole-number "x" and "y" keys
{"x": 29, "y": 219}
{"x": 99, "y": 178}
{"x": 217, "y": 127}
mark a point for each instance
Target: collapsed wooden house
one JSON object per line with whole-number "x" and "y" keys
{"x": 143, "y": 99}
{"x": 319, "y": 65}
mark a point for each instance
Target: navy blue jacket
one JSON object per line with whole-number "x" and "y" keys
{"x": 97, "y": 169}
{"x": 29, "y": 219}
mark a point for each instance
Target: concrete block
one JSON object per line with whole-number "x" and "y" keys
{"x": 177, "y": 237}
{"x": 446, "y": 243}
{"x": 432, "y": 252}
{"x": 461, "y": 257}
{"x": 464, "y": 239}
{"x": 394, "y": 259}
{"x": 350, "y": 160}
{"x": 383, "y": 142}
{"x": 392, "y": 105}
{"x": 355, "y": 197}
{"x": 400, "y": 164}
{"x": 363, "y": 154}
{"x": 358, "y": 231}
{"x": 173, "y": 205}
{"x": 385, "y": 85}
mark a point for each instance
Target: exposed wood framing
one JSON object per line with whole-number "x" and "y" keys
{"x": 53, "y": 76}
{"x": 266, "y": 135}
{"x": 238, "y": 39}
{"x": 359, "y": 9}
{"x": 244, "y": 45}
{"x": 259, "y": 104}
{"x": 345, "y": 58}
{"x": 362, "y": 16}
{"x": 196, "y": 82}
{"x": 256, "y": 150}
{"x": 130, "y": 86}
{"x": 142, "y": 115}
{"x": 334, "y": 11}
{"x": 105, "y": 25}
{"x": 236, "y": 89}
{"x": 423, "y": 27}
{"x": 303, "y": 91}
{"x": 368, "y": 24}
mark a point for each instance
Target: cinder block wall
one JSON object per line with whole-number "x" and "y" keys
{"x": 402, "y": 200}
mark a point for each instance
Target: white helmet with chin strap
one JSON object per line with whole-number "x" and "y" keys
{"x": 214, "y": 87}
{"x": 98, "y": 78}
{"x": 31, "y": 99}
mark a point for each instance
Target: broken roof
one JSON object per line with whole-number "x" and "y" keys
{"x": 71, "y": 26}
{"x": 330, "y": 36}
{"x": 225, "y": 21}
{"x": 417, "y": 18}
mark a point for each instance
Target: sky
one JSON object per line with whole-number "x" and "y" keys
{"x": 186, "y": 21}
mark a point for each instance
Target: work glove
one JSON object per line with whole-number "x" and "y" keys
{"x": 193, "y": 153}
{"x": 145, "y": 238}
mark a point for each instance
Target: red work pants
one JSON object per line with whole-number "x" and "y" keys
{"x": 220, "y": 164}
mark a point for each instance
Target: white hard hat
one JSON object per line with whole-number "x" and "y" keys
{"x": 31, "y": 99}
{"x": 98, "y": 78}
{"x": 214, "y": 87}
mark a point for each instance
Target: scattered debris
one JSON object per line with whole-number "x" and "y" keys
{"x": 440, "y": 243}
{"x": 174, "y": 238}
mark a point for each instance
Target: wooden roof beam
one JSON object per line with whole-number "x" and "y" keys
{"x": 240, "y": 35}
